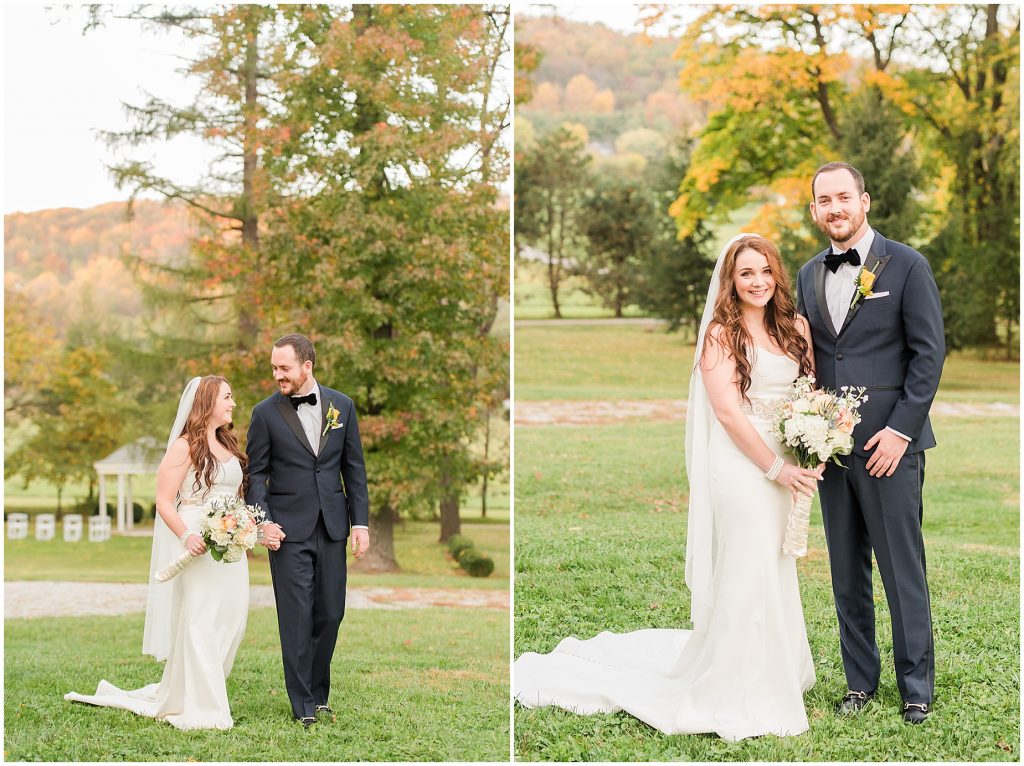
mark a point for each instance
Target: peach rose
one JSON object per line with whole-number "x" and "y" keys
{"x": 844, "y": 421}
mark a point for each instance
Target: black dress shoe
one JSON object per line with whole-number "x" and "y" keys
{"x": 916, "y": 712}
{"x": 853, "y": 702}
{"x": 324, "y": 709}
{"x": 306, "y": 721}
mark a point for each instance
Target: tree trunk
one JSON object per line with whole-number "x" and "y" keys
{"x": 451, "y": 524}
{"x": 60, "y": 493}
{"x": 487, "y": 460}
{"x": 381, "y": 556}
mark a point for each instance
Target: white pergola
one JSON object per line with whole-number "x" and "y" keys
{"x": 142, "y": 456}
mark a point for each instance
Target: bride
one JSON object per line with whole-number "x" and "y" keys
{"x": 197, "y": 619}
{"x": 741, "y": 672}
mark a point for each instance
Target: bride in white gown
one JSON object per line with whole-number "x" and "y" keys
{"x": 741, "y": 672}
{"x": 197, "y": 619}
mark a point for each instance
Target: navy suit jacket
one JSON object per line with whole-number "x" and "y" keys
{"x": 893, "y": 344}
{"x": 294, "y": 484}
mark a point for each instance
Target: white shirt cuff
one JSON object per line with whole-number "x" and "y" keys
{"x": 359, "y": 526}
{"x": 902, "y": 436}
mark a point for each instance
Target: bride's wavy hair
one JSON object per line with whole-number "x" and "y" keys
{"x": 779, "y": 313}
{"x": 205, "y": 463}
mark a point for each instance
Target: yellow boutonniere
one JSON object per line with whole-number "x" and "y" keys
{"x": 864, "y": 282}
{"x": 332, "y": 419}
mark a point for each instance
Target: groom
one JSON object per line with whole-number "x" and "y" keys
{"x": 887, "y": 337}
{"x": 303, "y": 442}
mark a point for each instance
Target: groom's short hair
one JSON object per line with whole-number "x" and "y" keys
{"x": 303, "y": 346}
{"x": 828, "y": 167}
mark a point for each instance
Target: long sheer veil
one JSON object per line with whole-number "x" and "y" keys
{"x": 156, "y": 636}
{"x": 700, "y": 529}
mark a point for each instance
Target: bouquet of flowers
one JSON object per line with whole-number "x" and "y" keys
{"x": 817, "y": 426}
{"x": 229, "y": 529}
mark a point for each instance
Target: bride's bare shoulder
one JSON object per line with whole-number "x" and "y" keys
{"x": 177, "y": 454}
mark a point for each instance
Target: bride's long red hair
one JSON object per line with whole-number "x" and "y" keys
{"x": 779, "y": 313}
{"x": 199, "y": 452}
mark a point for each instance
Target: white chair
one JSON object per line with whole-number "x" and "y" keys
{"x": 72, "y": 528}
{"x": 99, "y": 529}
{"x": 17, "y": 526}
{"x": 46, "y": 526}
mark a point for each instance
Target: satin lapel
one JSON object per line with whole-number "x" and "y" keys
{"x": 324, "y": 433}
{"x": 291, "y": 417}
{"x": 819, "y": 295}
{"x": 875, "y": 256}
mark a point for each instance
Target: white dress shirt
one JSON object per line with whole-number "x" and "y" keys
{"x": 311, "y": 417}
{"x": 841, "y": 286}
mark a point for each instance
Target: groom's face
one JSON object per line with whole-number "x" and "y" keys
{"x": 838, "y": 209}
{"x": 289, "y": 374}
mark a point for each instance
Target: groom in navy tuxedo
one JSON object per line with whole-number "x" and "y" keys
{"x": 303, "y": 443}
{"x": 889, "y": 339}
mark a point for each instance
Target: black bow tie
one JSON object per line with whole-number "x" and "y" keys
{"x": 834, "y": 260}
{"x": 307, "y": 399}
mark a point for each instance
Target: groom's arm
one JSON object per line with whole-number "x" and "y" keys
{"x": 257, "y": 447}
{"x": 353, "y": 472}
{"x": 923, "y": 329}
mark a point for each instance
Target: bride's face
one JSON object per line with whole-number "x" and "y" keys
{"x": 222, "y": 407}
{"x": 752, "y": 277}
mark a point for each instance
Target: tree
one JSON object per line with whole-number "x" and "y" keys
{"x": 968, "y": 99}
{"x": 80, "y": 419}
{"x": 550, "y": 183}
{"x": 378, "y": 151}
{"x": 778, "y": 81}
{"x": 397, "y": 263}
{"x": 673, "y": 278}
{"x": 617, "y": 217}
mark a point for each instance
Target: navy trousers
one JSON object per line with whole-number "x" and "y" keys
{"x": 862, "y": 514}
{"x": 309, "y": 587}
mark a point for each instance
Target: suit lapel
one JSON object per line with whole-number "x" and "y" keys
{"x": 291, "y": 417}
{"x": 324, "y": 433}
{"x": 819, "y": 293}
{"x": 876, "y": 259}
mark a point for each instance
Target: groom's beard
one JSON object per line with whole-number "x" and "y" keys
{"x": 291, "y": 386}
{"x": 837, "y": 230}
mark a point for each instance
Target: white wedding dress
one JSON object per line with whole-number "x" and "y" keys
{"x": 743, "y": 673}
{"x": 209, "y": 608}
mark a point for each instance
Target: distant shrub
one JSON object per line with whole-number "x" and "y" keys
{"x": 475, "y": 563}
{"x": 457, "y": 544}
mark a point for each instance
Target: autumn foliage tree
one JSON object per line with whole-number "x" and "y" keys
{"x": 356, "y": 203}
{"x": 780, "y": 82}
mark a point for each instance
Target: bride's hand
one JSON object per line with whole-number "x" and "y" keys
{"x": 195, "y": 545}
{"x": 800, "y": 481}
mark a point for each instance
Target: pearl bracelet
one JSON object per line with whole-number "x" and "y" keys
{"x": 776, "y": 468}
{"x": 184, "y": 537}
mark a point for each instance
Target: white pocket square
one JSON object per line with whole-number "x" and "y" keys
{"x": 876, "y": 295}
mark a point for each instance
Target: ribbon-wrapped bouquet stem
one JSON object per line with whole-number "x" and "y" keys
{"x": 817, "y": 426}
{"x": 229, "y": 528}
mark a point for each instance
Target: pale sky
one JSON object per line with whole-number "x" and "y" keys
{"x": 60, "y": 87}
{"x": 623, "y": 17}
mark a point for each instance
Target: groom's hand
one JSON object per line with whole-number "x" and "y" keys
{"x": 888, "y": 452}
{"x": 360, "y": 542}
{"x": 272, "y": 535}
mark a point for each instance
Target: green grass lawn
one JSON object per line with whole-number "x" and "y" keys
{"x": 412, "y": 685}
{"x": 590, "y": 362}
{"x": 600, "y": 545}
{"x": 126, "y": 559}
